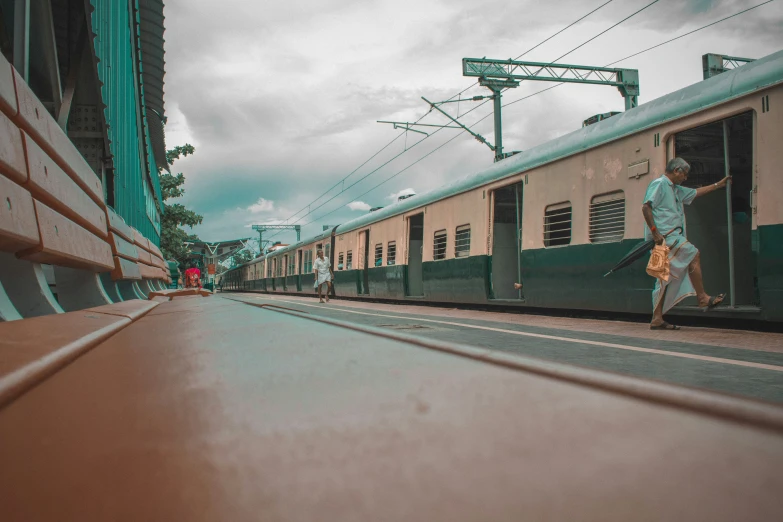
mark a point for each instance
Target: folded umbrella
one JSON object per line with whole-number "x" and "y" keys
{"x": 636, "y": 253}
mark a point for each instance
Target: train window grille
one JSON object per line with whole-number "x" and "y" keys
{"x": 557, "y": 224}
{"x": 327, "y": 251}
{"x": 340, "y": 258}
{"x": 308, "y": 261}
{"x": 269, "y": 268}
{"x": 292, "y": 264}
{"x": 278, "y": 268}
{"x": 439, "y": 245}
{"x": 607, "y": 217}
{"x": 379, "y": 254}
{"x": 462, "y": 241}
{"x": 349, "y": 260}
{"x": 391, "y": 253}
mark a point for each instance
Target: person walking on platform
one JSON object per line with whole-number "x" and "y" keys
{"x": 323, "y": 274}
{"x": 664, "y": 215}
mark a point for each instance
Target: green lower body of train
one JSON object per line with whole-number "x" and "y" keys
{"x": 565, "y": 278}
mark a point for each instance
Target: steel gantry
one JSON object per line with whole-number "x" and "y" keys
{"x": 263, "y": 228}
{"x": 499, "y": 75}
{"x": 714, "y": 64}
{"x": 489, "y": 71}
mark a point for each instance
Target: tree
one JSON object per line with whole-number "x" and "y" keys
{"x": 176, "y": 215}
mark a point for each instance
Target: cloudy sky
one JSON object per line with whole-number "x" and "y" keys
{"x": 281, "y": 99}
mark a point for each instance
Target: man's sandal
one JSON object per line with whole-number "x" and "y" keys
{"x": 664, "y": 326}
{"x": 714, "y": 301}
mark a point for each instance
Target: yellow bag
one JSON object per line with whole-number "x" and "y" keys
{"x": 658, "y": 266}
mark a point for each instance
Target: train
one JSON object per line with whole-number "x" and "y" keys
{"x": 557, "y": 217}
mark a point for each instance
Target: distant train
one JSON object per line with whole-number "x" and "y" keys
{"x": 558, "y": 216}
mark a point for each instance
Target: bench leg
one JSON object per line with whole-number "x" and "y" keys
{"x": 7, "y": 310}
{"x": 26, "y": 286}
{"x": 79, "y": 289}
{"x": 127, "y": 290}
{"x": 141, "y": 288}
{"x": 110, "y": 287}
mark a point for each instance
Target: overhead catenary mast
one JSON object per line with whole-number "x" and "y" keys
{"x": 499, "y": 75}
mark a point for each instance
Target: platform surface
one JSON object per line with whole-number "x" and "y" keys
{"x": 736, "y": 362}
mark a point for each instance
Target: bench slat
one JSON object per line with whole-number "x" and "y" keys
{"x": 141, "y": 241}
{"x": 7, "y": 89}
{"x": 118, "y": 225}
{"x": 12, "y": 162}
{"x": 33, "y": 349}
{"x": 122, "y": 248}
{"x": 18, "y": 228}
{"x": 36, "y": 120}
{"x": 65, "y": 243}
{"x": 144, "y": 256}
{"x": 158, "y": 262}
{"x": 133, "y": 310}
{"x": 50, "y": 184}
{"x": 155, "y": 250}
{"x": 147, "y": 271}
{"x": 125, "y": 270}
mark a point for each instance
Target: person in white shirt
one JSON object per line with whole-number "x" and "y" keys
{"x": 323, "y": 274}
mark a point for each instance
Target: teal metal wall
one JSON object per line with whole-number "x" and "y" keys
{"x": 115, "y": 23}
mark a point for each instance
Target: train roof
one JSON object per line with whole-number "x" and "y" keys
{"x": 753, "y": 76}
{"x": 322, "y": 236}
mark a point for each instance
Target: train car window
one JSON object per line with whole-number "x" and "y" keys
{"x": 340, "y": 261}
{"x": 462, "y": 241}
{"x": 439, "y": 245}
{"x": 557, "y": 224}
{"x": 607, "y": 217}
{"x": 291, "y": 264}
{"x": 269, "y": 268}
{"x": 379, "y": 254}
{"x": 348, "y": 260}
{"x": 327, "y": 251}
{"x": 308, "y": 261}
{"x": 391, "y": 253}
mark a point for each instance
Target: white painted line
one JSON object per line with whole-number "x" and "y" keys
{"x": 554, "y": 338}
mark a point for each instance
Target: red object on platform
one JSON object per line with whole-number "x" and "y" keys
{"x": 192, "y": 278}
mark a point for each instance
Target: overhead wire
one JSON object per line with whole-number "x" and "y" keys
{"x": 476, "y": 107}
{"x": 344, "y": 189}
{"x": 530, "y": 96}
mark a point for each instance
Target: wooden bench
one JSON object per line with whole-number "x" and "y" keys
{"x": 210, "y": 409}
{"x": 52, "y": 213}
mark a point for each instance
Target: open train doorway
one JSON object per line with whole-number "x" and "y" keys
{"x": 365, "y": 249}
{"x": 506, "y": 243}
{"x": 415, "y": 286}
{"x": 299, "y": 271}
{"x": 720, "y": 224}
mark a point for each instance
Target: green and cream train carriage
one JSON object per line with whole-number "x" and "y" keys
{"x": 558, "y": 216}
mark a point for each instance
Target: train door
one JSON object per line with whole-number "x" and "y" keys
{"x": 299, "y": 271}
{"x": 364, "y": 249}
{"x": 506, "y": 242}
{"x": 415, "y": 285}
{"x": 720, "y": 224}
{"x": 285, "y": 273}
{"x": 331, "y": 260}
